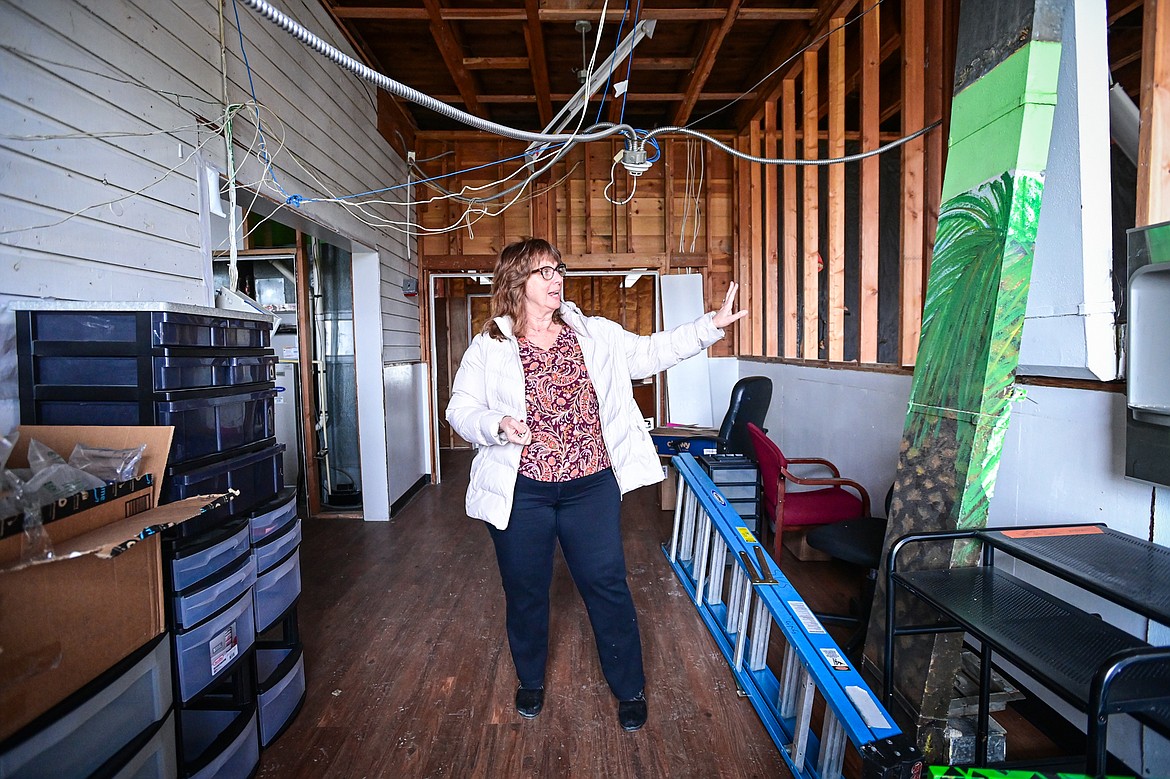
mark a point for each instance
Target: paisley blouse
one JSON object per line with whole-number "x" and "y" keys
{"x": 561, "y": 405}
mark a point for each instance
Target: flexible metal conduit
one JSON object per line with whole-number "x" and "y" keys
{"x": 406, "y": 93}
{"x": 774, "y": 161}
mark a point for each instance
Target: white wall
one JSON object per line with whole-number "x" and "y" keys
{"x": 126, "y": 89}
{"x": 853, "y": 418}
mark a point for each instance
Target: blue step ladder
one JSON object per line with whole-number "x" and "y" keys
{"x": 712, "y": 550}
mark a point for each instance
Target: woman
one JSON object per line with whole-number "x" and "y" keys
{"x": 546, "y": 395}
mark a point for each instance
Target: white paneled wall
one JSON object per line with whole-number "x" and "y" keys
{"x": 106, "y": 107}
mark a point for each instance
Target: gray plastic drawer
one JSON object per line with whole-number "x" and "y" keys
{"x": 276, "y": 548}
{"x": 204, "y": 730}
{"x": 157, "y": 759}
{"x": 80, "y": 742}
{"x": 274, "y": 515}
{"x": 194, "y": 606}
{"x": 279, "y": 698}
{"x": 738, "y": 491}
{"x": 276, "y": 590}
{"x": 188, "y": 568}
{"x": 204, "y": 652}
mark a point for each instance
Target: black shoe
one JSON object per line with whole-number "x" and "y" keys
{"x": 529, "y": 702}
{"x": 632, "y": 713}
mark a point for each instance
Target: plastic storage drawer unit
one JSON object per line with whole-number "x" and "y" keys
{"x": 207, "y": 555}
{"x": 736, "y": 477}
{"x": 193, "y": 606}
{"x": 257, "y": 475}
{"x": 210, "y": 425}
{"x": 132, "y": 331}
{"x": 146, "y": 373}
{"x": 277, "y": 590}
{"x": 80, "y": 741}
{"x": 276, "y": 548}
{"x": 204, "y": 652}
{"x": 224, "y": 743}
{"x": 281, "y": 675}
{"x": 157, "y": 758}
{"x": 274, "y": 515}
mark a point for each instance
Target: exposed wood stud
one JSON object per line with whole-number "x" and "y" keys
{"x": 810, "y": 299}
{"x": 835, "y": 240}
{"x": 1153, "y": 195}
{"x": 790, "y": 323}
{"x": 744, "y": 228}
{"x": 755, "y": 272}
{"x": 771, "y": 320}
{"x": 870, "y": 189}
{"x": 938, "y": 74}
{"x": 913, "y": 178}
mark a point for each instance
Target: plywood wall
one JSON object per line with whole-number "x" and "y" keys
{"x": 679, "y": 217}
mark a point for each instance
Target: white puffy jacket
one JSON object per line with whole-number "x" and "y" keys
{"x": 490, "y": 386}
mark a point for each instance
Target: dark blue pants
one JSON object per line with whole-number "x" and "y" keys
{"x": 585, "y": 516}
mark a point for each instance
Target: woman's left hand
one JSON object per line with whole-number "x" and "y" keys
{"x": 723, "y": 317}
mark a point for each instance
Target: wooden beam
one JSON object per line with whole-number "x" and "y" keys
{"x": 680, "y": 14}
{"x": 835, "y": 240}
{"x": 810, "y": 300}
{"x": 791, "y": 321}
{"x": 771, "y": 321}
{"x": 632, "y": 97}
{"x": 870, "y": 186}
{"x": 705, "y": 62}
{"x": 790, "y": 38}
{"x": 1118, "y": 10}
{"x": 1153, "y": 190}
{"x": 451, "y": 49}
{"x": 664, "y": 63}
{"x": 534, "y": 41}
{"x": 913, "y": 178}
{"x": 495, "y": 63}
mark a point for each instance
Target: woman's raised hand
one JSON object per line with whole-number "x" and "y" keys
{"x": 723, "y": 317}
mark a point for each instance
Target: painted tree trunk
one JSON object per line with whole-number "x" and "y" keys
{"x": 967, "y": 357}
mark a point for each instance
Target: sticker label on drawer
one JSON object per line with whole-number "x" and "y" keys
{"x": 224, "y": 648}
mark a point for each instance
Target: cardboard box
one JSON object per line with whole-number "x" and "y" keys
{"x": 668, "y": 487}
{"x": 66, "y": 620}
{"x": 673, "y": 439}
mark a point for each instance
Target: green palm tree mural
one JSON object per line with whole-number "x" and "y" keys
{"x": 984, "y": 234}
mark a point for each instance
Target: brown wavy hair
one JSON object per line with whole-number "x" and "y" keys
{"x": 512, "y": 271}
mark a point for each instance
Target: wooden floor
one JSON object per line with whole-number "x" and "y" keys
{"x": 408, "y": 671}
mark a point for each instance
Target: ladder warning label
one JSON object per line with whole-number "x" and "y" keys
{"x": 746, "y": 534}
{"x": 834, "y": 658}
{"x": 806, "y": 617}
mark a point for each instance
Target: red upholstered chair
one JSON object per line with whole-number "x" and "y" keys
{"x": 829, "y": 502}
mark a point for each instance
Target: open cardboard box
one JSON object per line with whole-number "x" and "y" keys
{"x": 66, "y": 620}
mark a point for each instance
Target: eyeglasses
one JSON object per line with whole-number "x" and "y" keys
{"x": 547, "y": 271}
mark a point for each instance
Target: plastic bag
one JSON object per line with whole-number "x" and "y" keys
{"x": 8, "y": 503}
{"x": 41, "y": 457}
{"x": 111, "y": 465}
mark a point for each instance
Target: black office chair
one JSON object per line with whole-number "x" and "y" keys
{"x": 860, "y": 542}
{"x": 750, "y": 398}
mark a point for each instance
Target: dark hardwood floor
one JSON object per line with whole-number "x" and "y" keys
{"x": 408, "y": 671}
